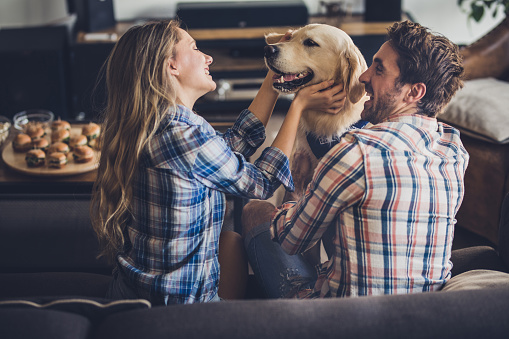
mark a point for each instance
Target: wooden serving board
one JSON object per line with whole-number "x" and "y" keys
{"x": 17, "y": 162}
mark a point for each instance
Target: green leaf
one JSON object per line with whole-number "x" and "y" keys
{"x": 488, "y": 3}
{"x": 477, "y": 12}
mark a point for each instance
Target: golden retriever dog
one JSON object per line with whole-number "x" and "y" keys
{"x": 316, "y": 53}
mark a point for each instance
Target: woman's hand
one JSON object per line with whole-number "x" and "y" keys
{"x": 321, "y": 97}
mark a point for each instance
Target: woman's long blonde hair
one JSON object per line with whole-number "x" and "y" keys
{"x": 140, "y": 93}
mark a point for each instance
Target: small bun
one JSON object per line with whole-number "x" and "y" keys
{"x": 61, "y": 135}
{"x": 60, "y": 124}
{"x": 83, "y": 154}
{"x": 57, "y": 160}
{"x": 35, "y": 132}
{"x": 41, "y": 144}
{"x": 60, "y": 147}
{"x": 91, "y": 131}
{"x": 35, "y": 158}
{"x": 79, "y": 140}
{"x": 22, "y": 143}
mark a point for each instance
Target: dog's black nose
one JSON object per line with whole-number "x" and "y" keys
{"x": 270, "y": 51}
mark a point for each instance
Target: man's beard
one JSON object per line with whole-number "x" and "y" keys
{"x": 383, "y": 108}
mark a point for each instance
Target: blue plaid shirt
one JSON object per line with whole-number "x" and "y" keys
{"x": 179, "y": 201}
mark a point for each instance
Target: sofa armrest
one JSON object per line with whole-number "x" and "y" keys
{"x": 477, "y": 257}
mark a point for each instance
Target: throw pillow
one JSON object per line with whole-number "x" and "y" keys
{"x": 92, "y": 308}
{"x": 481, "y": 110}
{"x": 477, "y": 279}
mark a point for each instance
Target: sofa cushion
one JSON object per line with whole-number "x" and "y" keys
{"x": 477, "y": 279}
{"x": 39, "y": 284}
{"x": 481, "y": 110}
{"x": 92, "y": 308}
{"x": 31, "y": 323}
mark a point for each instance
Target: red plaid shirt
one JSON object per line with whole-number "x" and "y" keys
{"x": 391, "y": 192}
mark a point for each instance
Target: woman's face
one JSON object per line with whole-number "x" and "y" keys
{"x": 191, "y": 69}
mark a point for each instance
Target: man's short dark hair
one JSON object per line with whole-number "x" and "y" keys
{"x": 428, "y": 58}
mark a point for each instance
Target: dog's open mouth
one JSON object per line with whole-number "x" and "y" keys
{"x": 288, "y": 83}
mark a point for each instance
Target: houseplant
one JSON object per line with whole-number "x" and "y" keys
{"x": 477, "y": 8}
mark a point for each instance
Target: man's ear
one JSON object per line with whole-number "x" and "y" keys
{"x": 416, "y": 92}
{"x": 172, "y": 68}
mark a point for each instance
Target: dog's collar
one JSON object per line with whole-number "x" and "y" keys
{"x": 321, "y": 145}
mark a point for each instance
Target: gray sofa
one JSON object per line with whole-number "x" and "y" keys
{"x": 51, "y": 286}
{"x": 457, "y": 314}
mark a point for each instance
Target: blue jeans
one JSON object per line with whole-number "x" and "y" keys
{"x": 279, "y": 274}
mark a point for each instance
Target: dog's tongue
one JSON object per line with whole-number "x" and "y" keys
{"x": 289, "y": 77}
{"x": 286, "y": 77}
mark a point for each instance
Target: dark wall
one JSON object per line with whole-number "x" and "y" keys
{"x": 34, "y": 70}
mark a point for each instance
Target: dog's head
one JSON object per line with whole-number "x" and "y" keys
{"x": 315, "y": 53}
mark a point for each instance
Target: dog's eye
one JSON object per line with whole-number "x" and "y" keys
{"x": 310, "y": 43}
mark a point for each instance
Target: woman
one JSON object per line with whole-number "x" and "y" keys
{"x": 159, "y": 197}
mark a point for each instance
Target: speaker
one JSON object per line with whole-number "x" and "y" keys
{"x": 93, "y": 15}
{"x": 88, "y": 79}
{"x": 34, "y": 70}
{"x": 382, "y": 10}
{"x": 241, "y": 14}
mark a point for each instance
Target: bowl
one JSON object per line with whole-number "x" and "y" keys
{"x": 5, "y": 128}
{"x": 37, "y": 117}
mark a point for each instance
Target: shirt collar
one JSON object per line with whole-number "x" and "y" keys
{"x": 182, "y": 114}
{"x": 422, "y": 121}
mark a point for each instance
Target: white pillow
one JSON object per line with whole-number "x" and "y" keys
{"x": 481, "y": 110}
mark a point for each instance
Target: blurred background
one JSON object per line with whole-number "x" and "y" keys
{"x": 51, "y": 51}
{"x": 444, "y": 16}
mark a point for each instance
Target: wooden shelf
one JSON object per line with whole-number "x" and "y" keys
{"x": 353, "y": 25}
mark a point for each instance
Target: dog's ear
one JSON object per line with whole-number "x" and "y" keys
{"x": 272, "y": 38}
{"x": 351, "y": 71}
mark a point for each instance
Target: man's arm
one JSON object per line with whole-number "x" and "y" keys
{"x": 338, "y": 183}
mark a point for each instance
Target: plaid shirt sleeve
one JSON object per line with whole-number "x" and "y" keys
{"x": 221, "y": 163}
{"x": 297, "y": 226}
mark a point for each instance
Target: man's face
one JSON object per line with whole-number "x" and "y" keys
{"x": 382, "y": 86}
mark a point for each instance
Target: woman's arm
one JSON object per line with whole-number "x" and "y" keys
{"x": 265, "y": 100}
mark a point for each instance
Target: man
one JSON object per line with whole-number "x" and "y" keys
{"x": 388, "y": 193}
